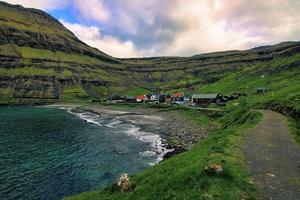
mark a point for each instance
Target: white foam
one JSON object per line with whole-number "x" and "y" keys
{"x": 87, "y": 116}
{"x": 113, "y": 123}
{"x": 158, "y": 149}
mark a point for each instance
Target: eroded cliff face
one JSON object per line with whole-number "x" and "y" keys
{"x": 40, "y": 60}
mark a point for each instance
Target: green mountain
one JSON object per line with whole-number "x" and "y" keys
{"x": 40, "y": 60}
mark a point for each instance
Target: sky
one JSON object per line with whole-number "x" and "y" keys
{"x": 143, "y": 28}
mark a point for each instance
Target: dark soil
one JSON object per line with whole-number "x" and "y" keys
{"x": 273, "y": 158}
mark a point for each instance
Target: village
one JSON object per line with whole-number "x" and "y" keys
{"x": 179, "y": 98}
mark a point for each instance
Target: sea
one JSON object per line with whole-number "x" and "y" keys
{"x": 51, "y": 153}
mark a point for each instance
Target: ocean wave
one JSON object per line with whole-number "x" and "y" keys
{"x": 87, "y": 116}
{"x": 113, "y": 123}
{"x": 157, "y": 147}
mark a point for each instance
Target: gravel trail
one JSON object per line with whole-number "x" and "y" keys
{"x": 273, "y": 158}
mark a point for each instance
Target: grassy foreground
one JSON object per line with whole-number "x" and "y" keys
{"x": 183, "y": 176}
{"x": 294, "y": 127}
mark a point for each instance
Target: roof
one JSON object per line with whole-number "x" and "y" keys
{"x": 177, "y": 95}
{"x": 204, "y": 96}
{"x": 129, "y": 97}
{"x": 155, "y": 95}
{"x": 140, "y": 97}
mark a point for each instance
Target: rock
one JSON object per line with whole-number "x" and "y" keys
{"x": 272, "y": 175}
{"x": 176, "y": 151}
{"x": 214, "y": 168}
{"x": 124, "y": 183}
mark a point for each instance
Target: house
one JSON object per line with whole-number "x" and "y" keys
{"x": 157, "y": 98}
{"x": 115, "y": 99}
{"x": 177, "y": 98}
{"x": 204, "y": 99}
{"x": 261, "y": 90}
{"x": 129, "y": 99}
{"x": 187, "y": 98}
{"x": 140, "y": 98}
{"x": 154, "y": 97}
{"x": 168, "y": 98}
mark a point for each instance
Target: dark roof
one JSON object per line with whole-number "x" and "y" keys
{"x": 128, "y": 97}
{"x": 204, "y": 96}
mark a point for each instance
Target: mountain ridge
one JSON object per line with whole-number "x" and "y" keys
{"x": 50, "y": 62}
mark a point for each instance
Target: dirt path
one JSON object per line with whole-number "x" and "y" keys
{"x": 274, "y": 158}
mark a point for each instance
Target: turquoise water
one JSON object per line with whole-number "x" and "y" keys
{"x": 48, "y": 153}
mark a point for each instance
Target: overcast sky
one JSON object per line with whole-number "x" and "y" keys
{"x": 135, "y": 28}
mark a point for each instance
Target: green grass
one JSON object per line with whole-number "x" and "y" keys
{"x": 283, "y": 85}
{"x": 183, "y": 176}
{"x": 26, "y": 71}
{"x": 294, "y": 127}
{"x": 6, "y": 92}
{"x": 101, "y": 91}
{"x": 33, "y": 53}
{"x": 71, "y": 93}
{"x": 66, "y": 73}
{"x": 137, "y": 91}
{"x": 15, "y": 18}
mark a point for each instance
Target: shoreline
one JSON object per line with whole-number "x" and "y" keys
{"x": 177, "y": 134}
{"x": 145, "y": 123}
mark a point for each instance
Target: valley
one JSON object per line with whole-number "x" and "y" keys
{"x": 42, "y": 63}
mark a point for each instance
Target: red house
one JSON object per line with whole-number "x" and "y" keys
{"x": 177, "y": 98}
{"x": 140, "y": 98}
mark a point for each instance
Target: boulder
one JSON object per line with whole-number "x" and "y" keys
{"x": 124, "y": 183}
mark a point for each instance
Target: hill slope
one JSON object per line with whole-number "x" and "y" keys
{"x": 39, "y": 57}
{"x": 40, "y": 60}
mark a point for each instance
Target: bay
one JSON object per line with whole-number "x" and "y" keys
{"x": 48, "y": 153}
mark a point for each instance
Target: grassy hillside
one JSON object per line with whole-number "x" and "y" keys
{"x": 41, "y": 61}
{"x": 280, "y": 76}
{"x": 184, "y": 176}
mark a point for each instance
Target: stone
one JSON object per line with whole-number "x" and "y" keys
{"x": 124, "y": 183}
{"x": 214, "y": 168}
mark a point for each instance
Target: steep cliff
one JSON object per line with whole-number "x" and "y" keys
{"x": 40, "y": 60}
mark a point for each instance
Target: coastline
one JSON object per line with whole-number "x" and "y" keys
{"x": 145, "y": 127}
{"x": 177, "y": 135}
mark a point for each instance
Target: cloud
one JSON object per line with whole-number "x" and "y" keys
{"x": 175, "y": 27}
{"x": 92, "y": 36}
{"x": 92, "y": 9}
{"x": 41, "y": 4}
{"x": 273, "y": 20}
